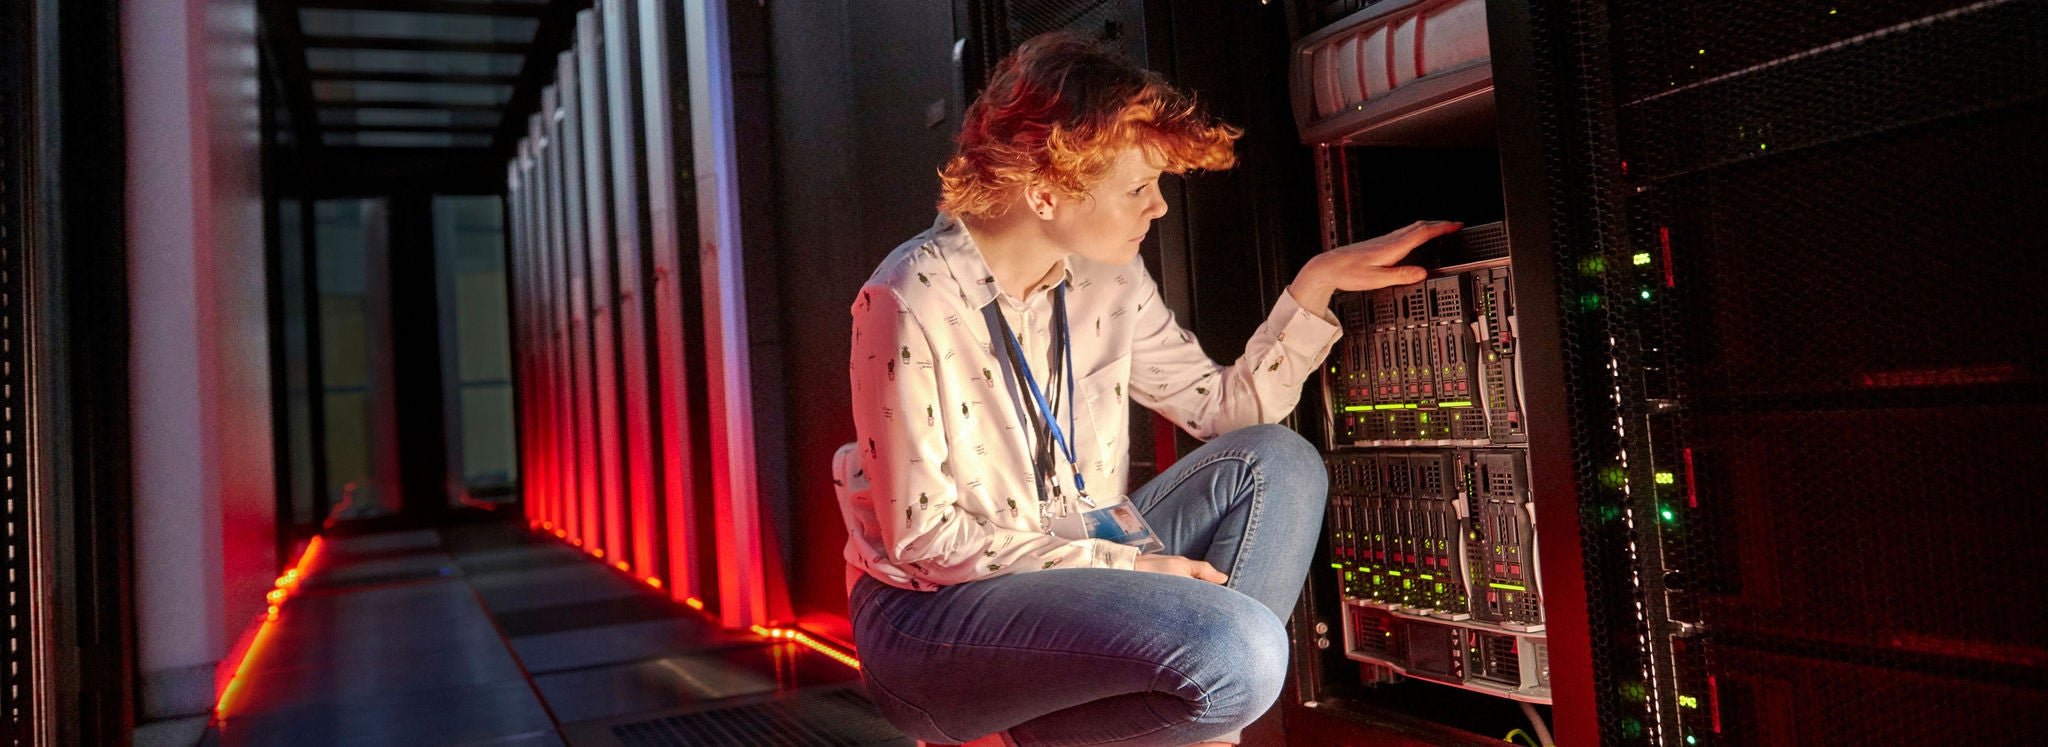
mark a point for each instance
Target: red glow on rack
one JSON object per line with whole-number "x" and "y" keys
{"x": 1714, "y": 701}
{"x": 597, "y": 552}
{"x": 1941, "y": 377}
{"x": 1664, "y": 240}
{"x": 1692, "y": 495}
{"x": 621, "y": 565}
{"x": 786, "y": 634}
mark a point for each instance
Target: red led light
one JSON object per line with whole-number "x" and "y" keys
{"x": 1692, "y": 496}
{"x": 1714, "y": 701}
{"x": 1664, "y": 240}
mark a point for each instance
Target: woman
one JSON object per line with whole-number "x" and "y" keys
{"x": 998, "y": 583}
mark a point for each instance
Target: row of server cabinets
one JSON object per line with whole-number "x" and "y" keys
{"x": 606, "y": 387}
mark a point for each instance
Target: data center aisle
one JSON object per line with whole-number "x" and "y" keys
{"x": 487, "y": 635}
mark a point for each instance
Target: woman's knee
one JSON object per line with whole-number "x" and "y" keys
{"x": 1245, "y": 659}
{"x": 1283, "y": 452}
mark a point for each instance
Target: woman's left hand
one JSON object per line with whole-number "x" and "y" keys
{"x": 1366, "y": 265}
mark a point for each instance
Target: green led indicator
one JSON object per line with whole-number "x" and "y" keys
{"x": 1509, "y": 587}
{"x": 1667, "y": 514}
{"x": 1688, "y": 701}
{"x": 1642, "y": 258}
{"x": 1459, "y": 403}
{"x": 1763, "y": 146}
{"x": 1690, "y": 739}
{"x": 1666, "y": 478}
{"x": 1357, "y": 408}
{"x": 1646, "y": 295}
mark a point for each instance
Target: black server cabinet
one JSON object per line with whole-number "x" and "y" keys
{"x": 1792, "y": 264}
{"x": 1445, "y": 607}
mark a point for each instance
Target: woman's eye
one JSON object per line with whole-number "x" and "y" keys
{"x": 1140, "y": 190}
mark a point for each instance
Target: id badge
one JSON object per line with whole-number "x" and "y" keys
{"x": 1117, "y": 522}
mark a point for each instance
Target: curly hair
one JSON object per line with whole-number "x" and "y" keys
{"x": 1057, "y": 113}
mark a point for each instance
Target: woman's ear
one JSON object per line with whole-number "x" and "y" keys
{"x": 1040, "y": 200}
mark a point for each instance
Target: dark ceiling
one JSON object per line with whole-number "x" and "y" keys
{"x": 456, "y": 76}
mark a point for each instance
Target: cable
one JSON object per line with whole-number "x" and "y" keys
{"x": 1510, "y": 738}
{"x": 1536, "y": 721}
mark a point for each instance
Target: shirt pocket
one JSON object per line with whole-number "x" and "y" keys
{"x": 1105, "y": 397}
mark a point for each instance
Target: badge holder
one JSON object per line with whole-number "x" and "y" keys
{"x": 1118, "y": 522}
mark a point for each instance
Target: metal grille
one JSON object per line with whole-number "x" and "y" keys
{"x": 16, "y": 667}
{"x": 996, "y": 27}
{"x": 1794, "y": 259}
{"x": 839, "y": 718}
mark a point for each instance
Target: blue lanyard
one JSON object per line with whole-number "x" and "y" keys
{"x": 1052, "y": 419}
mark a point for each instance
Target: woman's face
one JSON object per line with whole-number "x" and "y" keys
{"x": 1108, "y": 223}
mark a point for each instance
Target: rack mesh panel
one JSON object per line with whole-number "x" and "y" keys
{"x": 1796, "y": 263}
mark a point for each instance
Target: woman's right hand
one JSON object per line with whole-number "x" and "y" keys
{"x": 1175, "y": 565}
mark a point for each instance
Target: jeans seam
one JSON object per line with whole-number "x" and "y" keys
{"x": 926, "y": 715}
{"x": 1166, "y": 667}
{"x": 1251, "y": 524}
{"x": 1242, "y": 455}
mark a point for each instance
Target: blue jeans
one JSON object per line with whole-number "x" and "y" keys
{"x": 1098, "y": 656}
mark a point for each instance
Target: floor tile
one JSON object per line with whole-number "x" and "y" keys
{"x": 450, "y": 716}
{"x": 543, "y": 620}
{"x": 612, "y": 644}
{"x": 550, "y": 587}
{"x": 339, "y": 548}
{"x": 469, "y": 661}
{"x": 409, "y": 567}
{"x": 606, "y": 692}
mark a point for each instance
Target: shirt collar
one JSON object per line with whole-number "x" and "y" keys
{"x": 970, "y": 269}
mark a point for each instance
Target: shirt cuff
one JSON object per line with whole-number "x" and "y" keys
{"x": 1114, "y": 555}
{"x": 1302, "y": 332}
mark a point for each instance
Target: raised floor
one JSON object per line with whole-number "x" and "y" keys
{"x": 487, "y": 634}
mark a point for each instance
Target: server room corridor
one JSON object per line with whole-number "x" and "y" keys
{"x": 484, "y": 372}
{"x": 481, "y": 632}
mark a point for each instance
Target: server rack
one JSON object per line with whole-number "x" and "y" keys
{"x": 1732, "y": 201}
{"x": 1431, "y": 617}
{"x": 603, "y": 324}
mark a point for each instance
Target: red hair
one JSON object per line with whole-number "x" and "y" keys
{"x": 1057, "y": 113}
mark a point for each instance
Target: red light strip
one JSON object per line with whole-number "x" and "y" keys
{"x": 790, "y": 634}
{"x": 1664, "y": 240}
{"x": 286, "y": 584}
{"x": 1692, "y": 495}
{"x": 1714, "y": 701}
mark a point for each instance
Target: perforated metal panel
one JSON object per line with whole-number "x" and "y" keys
{"x": 996, "y": 27}
{"x": 1794, "y": 243}
{"x": 839, "y": 718}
